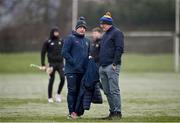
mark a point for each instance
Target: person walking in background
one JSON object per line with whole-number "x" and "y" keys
{"x": 76, "y": 52}
{"x": 95, "y": 44}
{"x": 112, "y": 48}
{"x": 53, "y": 47}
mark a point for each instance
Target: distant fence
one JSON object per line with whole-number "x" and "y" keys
{"x": 135, "y": 42}
{"x": 148, "y": 42}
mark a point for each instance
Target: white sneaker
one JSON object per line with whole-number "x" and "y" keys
{"x": 58, "y": 98}
{"x": 50, "y": 100}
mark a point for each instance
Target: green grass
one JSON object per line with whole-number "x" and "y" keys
{"x": 146, "y": 97}
{"x": 150, "y": 91}
{"x": 19, "y": 63}
{"x": 148, "y": 63}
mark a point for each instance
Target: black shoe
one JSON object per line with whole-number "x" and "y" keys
{"x": 113, "y": 116}
{"x": 117, "y": 115}
{"x": 109, "y": 117}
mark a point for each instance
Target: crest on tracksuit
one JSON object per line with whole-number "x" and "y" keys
{"x": 87, "y": 43}
{"x": 59, "y": 43}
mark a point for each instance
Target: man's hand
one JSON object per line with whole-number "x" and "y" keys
{"x": 49, "y": 70}
{"x": 114, "y": 66}
{"x": 43, "y": 68}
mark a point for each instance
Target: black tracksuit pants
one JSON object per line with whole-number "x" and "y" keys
{"x": 59, "y": 68}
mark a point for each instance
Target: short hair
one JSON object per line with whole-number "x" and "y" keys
{"x": 97, "y": 29}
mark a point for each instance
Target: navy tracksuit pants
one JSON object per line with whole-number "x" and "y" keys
{"x": 73, "y": 85}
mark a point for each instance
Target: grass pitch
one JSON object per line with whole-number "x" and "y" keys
{"x": 149, "y": 88}
{"x": 20, "y": 62}
{"x": 146, "y": 97}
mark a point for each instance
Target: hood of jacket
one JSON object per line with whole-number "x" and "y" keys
{"x": 51, "y": 36}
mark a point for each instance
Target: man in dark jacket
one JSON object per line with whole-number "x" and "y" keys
{"x": 112, "y": 47}
{"x": 53, "y": 47}
{"x": 95, "y": 44}
{"x": 76, "y": 52}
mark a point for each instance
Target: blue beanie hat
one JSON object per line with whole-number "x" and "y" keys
{"x": 81, "y": 23}
{"x": 106, "y": 19}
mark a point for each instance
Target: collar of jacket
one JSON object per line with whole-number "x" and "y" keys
{"x": 97, "y": 40}
{"x": 111, "y": 28}
{"x": 54, "y": 39}
{"x": 77, "y": 35}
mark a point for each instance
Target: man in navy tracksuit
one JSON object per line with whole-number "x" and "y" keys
{"x": 112, "y": 47}
{"x": 76, "y": 52}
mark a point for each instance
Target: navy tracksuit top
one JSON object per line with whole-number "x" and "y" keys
{"x": 75, "y": 51}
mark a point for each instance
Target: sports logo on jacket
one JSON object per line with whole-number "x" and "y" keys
{"x": 52, "y": 43}
{"x": 97, "y": 45}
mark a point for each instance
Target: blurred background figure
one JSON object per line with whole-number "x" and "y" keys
{"x": 95, "y": 43}
{"x": 52, "y": 47}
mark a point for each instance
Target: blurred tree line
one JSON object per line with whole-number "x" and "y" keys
{"x": 25, "y": 24}
{"x": 132, "y": 14}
